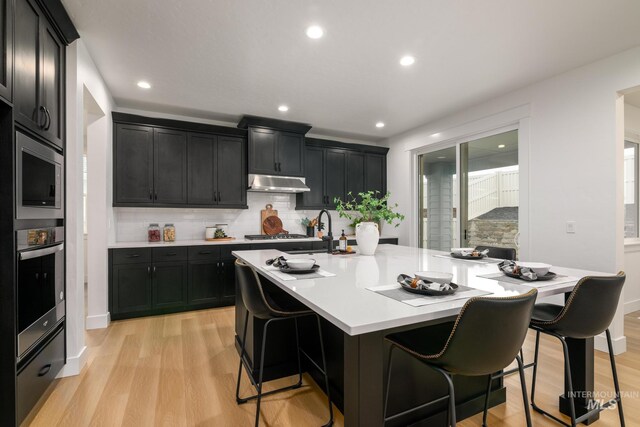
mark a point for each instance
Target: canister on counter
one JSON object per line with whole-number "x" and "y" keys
{"x": 169, "y": 233}
{"x": 153, "y": 233}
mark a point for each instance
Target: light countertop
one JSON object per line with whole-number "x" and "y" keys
{"x": 344, "y": 300}
{"x": 240, "y": 241}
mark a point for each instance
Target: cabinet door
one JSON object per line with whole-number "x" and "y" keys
{"x": 355, "y": 175}
{"x": 335, "y": 176}
{"x": 231, "y": 173}
{"x": 201, "y": 182}
{"x": 133, "y": 165}
{"x": 131, "y": 287}
{"x": 170, "y": 166}
{"x": 228, "y": 272}
{"x": 290, "y": 154}
{"x": 314, "y": 172}
{"x": 6, "y": 49}
{"x": 51, "y": 84}
{"x": 169, "y": 284}
{"x": 27, "y": 64}
{"x": 376, "y": 173}
{"x": 262, "y": 151}
{"x": 204, "y": 277}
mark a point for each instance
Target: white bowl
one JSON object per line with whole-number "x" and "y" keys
{"x": 435, "y": 276}
{"x": 458, "y": 251}
{"x": 301, "y": 263}
{"x": 539, "y": 268}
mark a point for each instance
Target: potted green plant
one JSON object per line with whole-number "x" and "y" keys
{"x": 306, "y": 222}
{"x": 367, "y": 211}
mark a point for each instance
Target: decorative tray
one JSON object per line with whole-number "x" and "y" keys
{"x": 288, "y": 270}
{"x": 549, "y": 276}
{"x": 459, "y": 256}
{"x": 405, "y": 280}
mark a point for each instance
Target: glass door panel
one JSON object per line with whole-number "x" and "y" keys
{"x": 438, "y": 200}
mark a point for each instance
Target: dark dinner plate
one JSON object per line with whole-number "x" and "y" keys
{"x": 429, "y": 292}
{"x": 454, "y": 255}
{"x": 549, "y": 276}
{"x": 288, "y": 270}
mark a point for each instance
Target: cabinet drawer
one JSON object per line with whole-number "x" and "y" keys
{"x": 34, "y": 379}
{"x": 225, "y": 251}
{"x": 170, "y": 254}
{"x": 132, "y": 256}
{"x": 204, "y": 253}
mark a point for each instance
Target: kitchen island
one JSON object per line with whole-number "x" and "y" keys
{"x": 356, "y": 320}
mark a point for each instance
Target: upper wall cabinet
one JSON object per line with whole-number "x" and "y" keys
{"x": 335, "y": 169}
{"x": 276, "y": 147}
{"x": 6, "y": 49}
{"x": 157, "y": 166}
{"x": 39, "y": 69}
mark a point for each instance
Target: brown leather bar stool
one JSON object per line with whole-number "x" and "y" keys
{"x": 588, "y": 312}
{"x": 500, "y": 253}
{"x": 261, "y": 305}
{"x": 492, "y": 329}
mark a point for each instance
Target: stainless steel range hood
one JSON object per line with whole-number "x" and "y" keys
{"x": 277, "y": 184}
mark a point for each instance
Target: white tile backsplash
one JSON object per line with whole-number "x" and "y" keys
{"x": 131, "y": 223}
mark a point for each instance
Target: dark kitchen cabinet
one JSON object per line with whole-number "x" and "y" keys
{"x": 169, "y": 284}
{"x": 133, "y": 165}
{"x": 216, "y": 172}
{"x": 335, "y": 176}
{"x": 167, "y": 167}
{"x": 131, "y": 288}
{"x": 6, "y": 49}
{"x": 355, "y": 175}
{"x": 274, "y": 152}
{"x": 376, "y": 173}
{"x": 314, "y": 173}
{"x": 39, "y": 73}
{"x": 170, "y": 167}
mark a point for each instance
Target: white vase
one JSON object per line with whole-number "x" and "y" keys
{"x": 367, "y": 236}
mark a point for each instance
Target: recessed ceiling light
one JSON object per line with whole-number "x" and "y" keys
{"x": 380, "y": 125}
{"x": 407, "y": 60}
{"x": 315, "y": 32}
{"x": 501, "y": 146}
{"x": 144, "y": 85}
{"x": 435, "y": 135}
{"x": 283, "y": 108}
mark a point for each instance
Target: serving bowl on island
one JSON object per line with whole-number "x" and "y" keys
{"x": 435, "y": 276}
{"x": 301, "y": 263}
{"x": 539, "y": 268}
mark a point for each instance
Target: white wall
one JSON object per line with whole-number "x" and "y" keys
{"x": 571, "y": 154}
{"x": 632, "y": 120}
{"x": 632, "y": 247}
{"x": 83, "y": 79}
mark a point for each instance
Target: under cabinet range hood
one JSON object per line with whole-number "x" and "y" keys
{"x": 277, "y": 184}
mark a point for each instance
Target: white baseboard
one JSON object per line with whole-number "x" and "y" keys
{"x": 619, "y": 344}
{"x": 631, "y": 306}
{"x": 99, "y": 321}
{"x": 74, "y": 364}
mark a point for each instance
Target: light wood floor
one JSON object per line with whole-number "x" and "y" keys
{"x": 180, "y": 370}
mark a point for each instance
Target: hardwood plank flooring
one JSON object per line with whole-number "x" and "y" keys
{"x": 180, "y": 370}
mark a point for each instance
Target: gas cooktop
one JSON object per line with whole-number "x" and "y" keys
{"x": 274, "y": 237}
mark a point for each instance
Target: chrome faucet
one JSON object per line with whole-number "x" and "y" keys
{"x": 329, "y": 236}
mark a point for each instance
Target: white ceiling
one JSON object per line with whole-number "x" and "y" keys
{"x": 219, "y": 59}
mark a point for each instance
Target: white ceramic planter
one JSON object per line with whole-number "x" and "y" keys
{"x": 367, "y": 237}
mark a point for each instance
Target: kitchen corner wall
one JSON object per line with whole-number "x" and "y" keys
{"x": 131, "y": 223}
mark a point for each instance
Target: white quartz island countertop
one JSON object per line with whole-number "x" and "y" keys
{"x": 345, "y": 301}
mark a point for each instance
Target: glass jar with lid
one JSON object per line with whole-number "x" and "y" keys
{"x": 169, "y": 233}
{"x": 153, "y": 233}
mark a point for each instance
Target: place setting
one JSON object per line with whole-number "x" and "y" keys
{"x": 471, "y": 255}
{"x": 536, "y": 274}
{"x": 425, "y": 288}
{"x": 295, "y": 268}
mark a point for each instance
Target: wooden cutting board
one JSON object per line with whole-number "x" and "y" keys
{"x": 272, "y": 226}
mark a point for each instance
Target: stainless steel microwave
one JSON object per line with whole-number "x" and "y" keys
{"x": 39, "y": 180}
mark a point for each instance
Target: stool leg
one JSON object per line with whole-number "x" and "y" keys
{"x": 567, "y": 368}
{"x": 326, "y": 375}
{"x": 242, "y": 351}
{"x": 259, "y": 397}
{"x": 535, "y": 373}
{"x": 486, "y": 401}
{"x": 295, "y": 319}
{"x": 452, "y": 396}
{"x": 615, "y": 377}
{"x": 386, "y": 397}
{"x": 523, "y": 385}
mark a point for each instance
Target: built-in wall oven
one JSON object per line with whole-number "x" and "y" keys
{"x": 40, "y": 284}
{"x": 39, "y": 180}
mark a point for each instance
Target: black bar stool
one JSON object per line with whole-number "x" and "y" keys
{"x": 261, "y": 305}
{"x": 492, "y": 329}
{"x": 588, "y": 312}
{"x": 500, "y": 253}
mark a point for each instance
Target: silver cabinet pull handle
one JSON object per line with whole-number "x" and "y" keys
{"x": 41, "y": 252}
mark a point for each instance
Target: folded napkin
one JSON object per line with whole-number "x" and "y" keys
{"x": 511, "y": 267}
{"x": 277, "y": 262}
{"x": 480, "y": 254}
{"x": 416, "y": 283}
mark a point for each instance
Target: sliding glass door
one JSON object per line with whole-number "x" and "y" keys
{"x": 486, "y": 194}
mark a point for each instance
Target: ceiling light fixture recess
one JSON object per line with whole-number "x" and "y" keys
{"x": 144, "y": 85}
{"x": 501, "y": 146}
{"x": 315, "y": 32}
{"x": 407, "y": 60}
{"x": 380, "y": 125}
{"x": 435, "y": 135}
{"x": 283, "y": 108}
